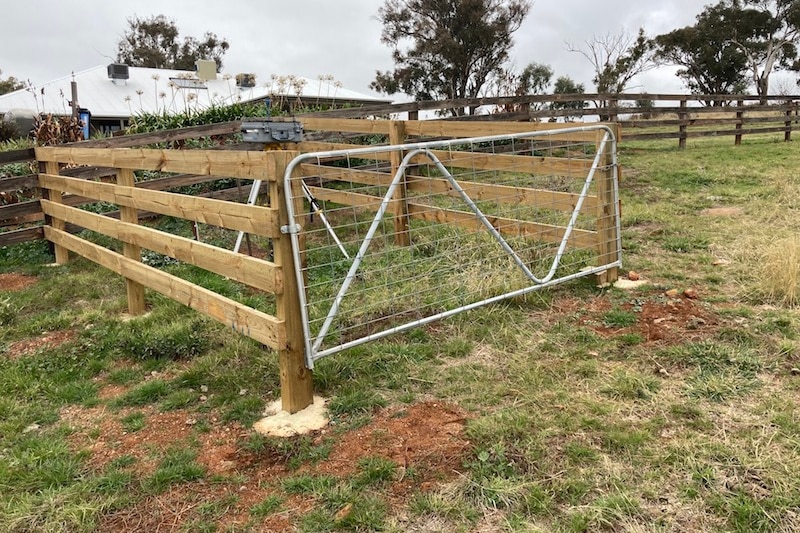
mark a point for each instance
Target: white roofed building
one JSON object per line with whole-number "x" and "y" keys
{"x": 114, "y": 93}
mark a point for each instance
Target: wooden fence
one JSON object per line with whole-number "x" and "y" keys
{"x": 72, "y": 175}
{"x": 643, "y": 116}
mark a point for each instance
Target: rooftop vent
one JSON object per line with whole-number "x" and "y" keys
{"x": 245, "y": 80}
{"x": 118, "y": 71}
{"x": 206, "y": 69}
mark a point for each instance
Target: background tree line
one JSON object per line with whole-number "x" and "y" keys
{"x": 452, "y": 49}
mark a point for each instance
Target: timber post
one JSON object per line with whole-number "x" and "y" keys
{"x": 135, "y": 290}
{"x": 684, "y": 121}
{"x": 401, "y": 225}
{"x": 61, "y": 253}
{"x": 787, "y": 135}
{"x": 297, "y": 390}
{"x": 739, "y": 121}
{"x": 607, "y": 238}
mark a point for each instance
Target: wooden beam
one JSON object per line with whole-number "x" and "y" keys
{"x": 131, "y": 250}
{"x": 20, "y": 209}
{"x": 367, "y": 127}
{"x": 249, "y": 218}
{"x": 535, "y": 165}
{"x": 141, "y": 139}
{"x": 538, "y": 198}
{"x": 365, "y": 177}
{"x": 249, "y": 165}
{"x": 297, "y": 391}
{"x": 55, "y": 196}
{"x": 16, "y": 183}
{"x": 447, "y": 129}
{"x": 257, "y": 273}
{"x": 262, "y": 327}
{"x": 353, "y": 199}
{"x": 397, "y": 137}
{"x": 506, "y": 226}
{"x": 7, "y": 238}
{"x": 17, "y": 156}
{"x": 465, "y": 219}
{"x": 606, "y": 236}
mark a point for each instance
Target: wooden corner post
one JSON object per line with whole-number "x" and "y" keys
{"x": 297, "y": 390}
{"x": 607, "y": 241}
{"x": 397, "y": 135}
{"x": 130, "y": 215}
{"x": 61, "y": 253}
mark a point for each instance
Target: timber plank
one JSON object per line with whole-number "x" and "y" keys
{"x": 540, "y": 198}
{"x": 17, "y": 156}
{"x": 7, "y": 238}
{"x": 141, "y": 139}
{"x": 250, "y": 165}
{"x": 249, "y": 218}
{"x": 446, "y": 128}
{"x": 365, "y": 177}
{"x": 506, "y": 226}
{"x": 251, "y": 271}
{"x": 352, "y": 199}
{"x": 465, "y": 219}
{"x": 535, "y": 165}
{"x": 367, "y": 127}
{"x": 257, "y": 325}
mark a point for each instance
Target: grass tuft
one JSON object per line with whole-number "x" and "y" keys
{"x": 779, "y": 273}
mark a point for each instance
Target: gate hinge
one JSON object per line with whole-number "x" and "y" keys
{"x": 291, "y": 229}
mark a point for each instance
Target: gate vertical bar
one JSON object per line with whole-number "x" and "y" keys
{"x": 61, "y": 253}
{"x": 134, "y": 290}
{"x": 397, "y": 137}
{"x": 608, "y": 239}
{"x": 297, "y": 390}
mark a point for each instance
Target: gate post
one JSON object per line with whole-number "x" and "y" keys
{"x": 397, "y": 135}
{"x": 297, "y": 389}
{"x": 607, "y": 242}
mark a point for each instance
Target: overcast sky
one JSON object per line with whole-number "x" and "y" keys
{"x": 42, "y": 40}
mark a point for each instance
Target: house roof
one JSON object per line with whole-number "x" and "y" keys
{"x": 150, "y": 90}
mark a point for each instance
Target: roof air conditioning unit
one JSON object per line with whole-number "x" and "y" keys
{"x": 245, "y": 80}
{"x": 206, "y": 69}
{"x": 118, "y": 71}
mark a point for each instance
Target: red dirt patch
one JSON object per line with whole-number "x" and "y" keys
{"x": 659, "y": 319}
{"x": 426, "y": 437}
{"x": 48, "y": 340}
{"x": 15, "y": 282}
{"x": 161, "y": 430}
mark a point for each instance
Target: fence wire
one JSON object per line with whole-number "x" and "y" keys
{"x": 392, "y": 237}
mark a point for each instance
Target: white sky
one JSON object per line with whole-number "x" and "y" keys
{"x": 42, "y": 40}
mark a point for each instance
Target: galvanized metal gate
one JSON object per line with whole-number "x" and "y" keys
{"x": 394, "y": 237}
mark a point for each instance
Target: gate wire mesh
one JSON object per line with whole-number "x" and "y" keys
{"x": 363, "y": 277}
